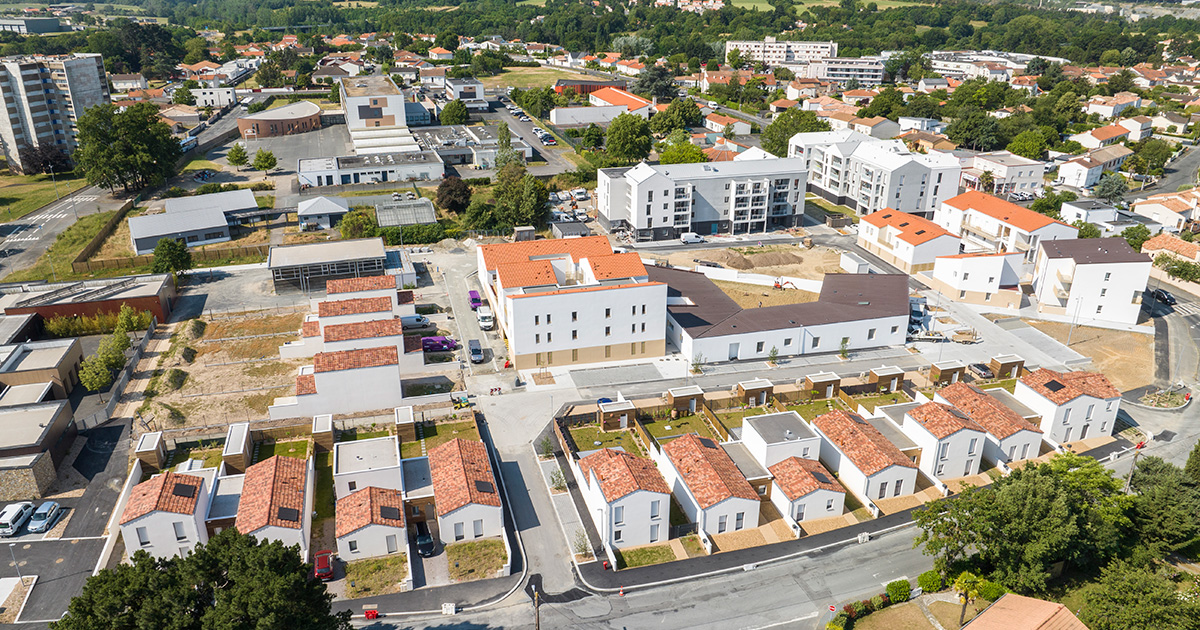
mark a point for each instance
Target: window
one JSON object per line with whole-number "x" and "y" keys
{"x": 547, "y": 318}
{"x": 574, "y": 354}
{"x": 991, "y": 279}
{"x": 607, "y": 352}
{"x": 895, "y": 329}
{"x": 899, "y": 486}
{"x": 762, "y": 490}
{"x": 722, "y": 524}
{"x": 643, "y": 326}
{"x": 1103, "y": 291}
{"x": 537, "y": 338}
{"x": 1066, "y": 415}
{"x": 655, "y": 512}
{"x": 1091, "y": 408}
{"x": 971, "y": 446}
{"x": 607, "y": 331}
{"x": 353, "y": 486}
{"x": 883, "y": 490}
{"x": 654, "y": 533}
{"x": 478, "y": 527}
{"x": 458, "y": 531}
{"x": 574, "y": 315}
{"x": 143, "y": 537}
{"x": 537, "y": 319}
{"x": 416, "y": 511}
{"x": 870, "y": 333}
{"x": 633, "y": 329}
{"x": 607, "y": 313}
{"x": 942, "y": 451}
{"x": 987, "y": 297}
{"x": 549, "y": 337}
{"x": 941, "y": 468}
{"x": 816, "y": 342}
{"x": 619, "y": 515}
{"x": 632, "y": 348}
{"x": 1107, "y": 276}
{"x": 633, "y": 309}
{"x": 643, "y": 309}
{"x": 643, "y": 348}
{"x": 1012, "y": 452}
{"x": 759, "y": 347}
{"x": 739, "y": 521}
{"x": 829, "y": 505}
{"x": 1099, "y": 308}
{"x": 353, "y": 546}
{"x": 966, "y": 274}
{"x": 962, "y": 294}
{"x": 787, "y": 342}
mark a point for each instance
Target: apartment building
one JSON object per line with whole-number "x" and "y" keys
{"x": 990, "y": 224}
{"x": 375, "y": 115}
{"x": 1091, "y": 279}
{"x": 44, "y": 96}
{"x": 1010, "y": 173}
{"x": 572, "y": 301}
{"x": 867, "y": 174}
{"x": 867, "y": 70}
{"x": 1084, "y": 171}
{"x": 773, "y": 52}
{"x": 986, "y": 278}
{"x": 750, "y": 194}
{"x": 909, "y": 242}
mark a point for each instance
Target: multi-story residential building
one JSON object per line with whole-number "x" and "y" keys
{"x": 1112, "y": 106}
{"x": 864, "y": 460}
{"x": 1172, "y": 210}
{"x": 572, "y": 301}
{"x": 44, "y": 96}
{"x": 1072, "y": 405}
{"x": 375, "y": 115}
{"x": 1091, "y": 279}
{"x": 1084, "y": 171}
{"x": 775, "y": 53}
{"x": 868, "y": 174}
{"x": 982, "y": 278}
{"x": 867, "y": 70}
{"x": 1010, "y": 437}
{"x": 750, "y": 194}
{"x": 627, "y": 498}
{"x": 951, "y": 442}
{"x": 127, "y": 82}
{"x": 909, "y": 242}
{"x": 1088, "y": 211}
{"x": 990, "y": 224}
{"x": 1010, "y": 173}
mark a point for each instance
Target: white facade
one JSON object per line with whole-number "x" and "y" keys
{"x": 470, "y": 522}
{"x": 639, "y": 518}
{"x": 1087, "y": 210}
{"x": 819, "y": 503}
{"x": 600, "y": 115}
{"x": 372, "y": 541}
{"x": 1011, "y": 173}
{"x": 981, "y": 278}
{"x": 367, "y": 463}
{"x": 909, "y": 242}
{"x": 1077, "y": 419}
{"x": 956, "y": 455}
{"x": 342, "y": 391}
{"x": 867, "y": 70}
{"x": 1170, "y": 210}
{"x": 770, "y": 446}
{"x": 893, "y": 481}
{"x": 215, "y": 97}
{"x": 989, "y": 224}
{"x": 1017, "y": 446}
{"x": 44, "y": 96}
{"x": 773, "y": 52}
{"x": 164, "y": 534}
{"x": 868, "y": 174}
{"x": 1091, "y": 279}
{"x": 811, "y": 339}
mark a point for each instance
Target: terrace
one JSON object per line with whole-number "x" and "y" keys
{"x": 589, "y": 437}
{"x": 667, "y": 428}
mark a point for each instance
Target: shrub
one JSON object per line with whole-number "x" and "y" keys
{"x": 198, "y": 326}
{"x": 262, "y": 186}
{"x": 557, "y": 480}
{"x": 840, "y": 621}
{"x": 176, "y": 378}
{"x": 175, "y": 191}
{"x": 930, "y": 581}
{"x": 898, "y": 591}
{"x": 868, "y": 605}
{"x": 879, "y": 602}
{"x": 478, "y": 181}
{"x": 850, "y": 611}
{"x": 188, "y": 354}
{"x": 860, "y": 609}
{"x": 991, "y": 591}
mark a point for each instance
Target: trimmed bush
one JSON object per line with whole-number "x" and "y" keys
{"x": 930, "y": 581}
{"x": 991, "y": 591}
{"x": 868, "y": 606}
{"x": 860, "y": 609}
{"x": 898, "y": 591}
{"x": 840, "y": 621}
{"x": 849, "y": 611}
{"x": 879, "y": 602}
{"x": 478, "y": 181}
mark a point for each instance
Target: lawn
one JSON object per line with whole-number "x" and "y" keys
{"x": 358, "y": 434}
{"x": 679, "y": 426}
{"x": 948, "y": 613}
{"x": 475, "y": 560}
{"x": 734, "y": 419}
{"x": 376, "y": 576}
{"x": 65, "y": 248}
{"x": 905, "y": 616}
{"x": 1008, "y": 384}
{"x": 210, "y": 455}
{"x": 764, "y": 5}
{"x": 586, "y": 437}
{"x": 438, "y": 434}
{"x": 809, "y": 411}
{"x": 529, "y": 77}
{"x": 536, "y": 3}
{"x": 693, "y": 546}
{"x": 22, "y": 194}
{"x": 290, "y": 448}
{"x": 818, "y": 207}
{"x": 871, "y": 402}
{"x": 644, "y": 556}
{"x": 201, "y": 164}
{"x": 324, "y": 491}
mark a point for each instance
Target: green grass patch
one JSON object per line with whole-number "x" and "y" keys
{"x": 409, "y": 450}
{"x": 289, "y": 448}
{"x": 356, "y": 434}
{"x": 669, "y": 427}
{"x": 871, "y": 402}
{"x": 265, "y": 201}
{"x": 439, "y": 434}
{"x": 68, "y": 245}
{"x": 376, "y": 576}
{"x": 677, "y": 516}
{"x": 1009, "y": 385}
{"x": 586, "y": 437}
{"x": 818, "y": 208}
{"x": 693, "y": 546}
{"x": 323, "y": 499}
{"x": 26, "y": 193}
{"x": 475, "y": 560}
{"x": 201, "y": 164}
{"x": 644, "y": 556}
{"x": 203, "y": 451}
{"x": 734, "y": 419}
{"x": 810, "y": 410}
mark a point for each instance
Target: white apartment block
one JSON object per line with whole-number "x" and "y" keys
{"x": 983, "y": 278}
{"x": 1010, "y": 173}
{"x": 1072, "y": 405}
{"x": 909, "y": 242}
{"x": 1091, "y": 279}
{"x": 215, "y": 97}
{"x": 43, "y": 97}
{"x": 1112, "y": 106}
{"x": 773, "y": 52}
{"x": 990, "y": 224}
{"x": 868, "y": 175}
{"x": 866, "y": 70}
{"x": 751, "y": 194}
{"x": 573, "y": 301}
{"x": 375, "y": 115}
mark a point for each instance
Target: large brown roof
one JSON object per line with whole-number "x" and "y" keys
{"x": 1090, "y": 251}
{"x": 1063, "y": 387}
{"x": 985, "y": 410}
{"x": 159, "y": 494}
{"x": 862, "y": 443}
{"x": 353, "y": 359}
{"x": 354, "y": 285}
{"x": 364, "y": 507}
{"x": 620, "y": 473}
{"x": 272, "y": 493}
{"x": 364, "y": 330}
{"x": 1017, "y": 612}
{"x": 462, "y": 475}
{"x": 798, "y": 477}
{"x": 577, "y": 248}
{"x": 707, "y": 470}
{"x": 357, "y": 306}
{"x": 942, "y": 420}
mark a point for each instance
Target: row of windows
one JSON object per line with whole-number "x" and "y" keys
{"x": 633, "y": 329}
{"x": 619, "y": 512}
{"x": 654, "y": 534}
{"x": 633, "y": 310}
{"x": 635, "y": 348}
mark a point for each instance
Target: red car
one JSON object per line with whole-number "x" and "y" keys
{"x": 323, "y": 566}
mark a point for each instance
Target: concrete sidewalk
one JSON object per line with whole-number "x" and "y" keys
{"x": 1042, "y": 351}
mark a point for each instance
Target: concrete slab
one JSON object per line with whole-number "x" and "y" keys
{"x": 608, "y": 376}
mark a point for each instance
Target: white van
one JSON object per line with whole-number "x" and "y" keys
{"x": 690, "y": 237}
{"x": 713, "y": 104}
{"x": 414, "y": 321}
{"x": 486, "y": 320}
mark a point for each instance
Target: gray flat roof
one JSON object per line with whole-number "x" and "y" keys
{"x": 745, "y": 462}
{"x": 226, "y": 495}
{"x": 10, "y": 325}
{"x": 1086, "y": 251}
{"x": 323, "y": 422}
{"x": 889, "y": 430}
{"x": 377, "y": 85}
{"x": 235, "y": 438}
{"x": 27, "y": 425}
{"x": 239, "y": 199}
{"x": 360, "y": 455}
{"x": 404, "y": 415}
{"x": 322, "y": 205}
{"x": 384, "y": 160}
{"x": 19, "y": 461}
{"x": 1007, "y": 358}
{"x": 24, "y": 394}
{"x": 1010, "y": 401}
{"x": 417, "y": 480}
{"x": 148, "y": 441}
{"x": 780, "y": 427}
{"x": 886, "y": 370}
{"x": 690, "y": 390}
{"x": 324, "y": 253}
{"x": 177, "y": 222}
{"x": 33, "y": 356}
{"x": 395, "y": 213}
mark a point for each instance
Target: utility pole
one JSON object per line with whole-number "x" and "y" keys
{"x": 1129, "y": 478}
{"x": 537, "y": 611}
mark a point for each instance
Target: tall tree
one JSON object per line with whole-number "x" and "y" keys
{"x": 132, "y": 149}
{"x": 791, "y": 122}
{"x": 505, "y": 153}
{"x": 1111, "y": 187}
{"x": 1192, "y": 468}
{"x": 236, "y": 156}
{"x": 453, "y": 194}
{"x": 682, "y": 153}
{"x": 1136, "y": 235}
{"x": 1127, "y": 596}
{"x": 682, "y": 113}
{"x": 593, "y": 137}
{"x": 171, "y": 256}
{"x": 967, "y": 586}
{"x": 447, "y": 40}
{"x": 1030, "y": 144}
{"x": 628, "y": 138}
{"x": 264, "y": 161}
{"x": 358, "y": 224}
{"x": 454, "y": 113}
{"x": 184, "y": 96}
{"x": 655, "y": 81}
{"x": 269, "y": 75}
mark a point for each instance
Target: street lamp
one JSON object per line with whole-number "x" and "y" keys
{"x": 14, "y": 559}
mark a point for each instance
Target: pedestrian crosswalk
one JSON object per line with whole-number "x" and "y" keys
{"x": 56, "y": 215}
{"x": 1187, "y": 308}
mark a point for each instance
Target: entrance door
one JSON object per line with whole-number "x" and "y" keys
{"x": 733, "y": 351}
{"x": 692, "y": 406}
{"x": 391, "y": 543}
{"x": 829, "y": 390}
{"x": 967, "y": 469}
{"x": 624, "y": 421}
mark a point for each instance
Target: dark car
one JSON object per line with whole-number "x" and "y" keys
{"x": 323, "y": 566}
{"x": 1165, "y": 297}
{"x": 980, "y": 370}
{"x": 601, "y": 401}
{"x": 426, "y": 546}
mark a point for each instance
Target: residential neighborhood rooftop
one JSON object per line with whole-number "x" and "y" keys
{"x": 1089, "y": 251}
{"x": 1063, "y": 387}
{"x": 369, "y": 506}
{"x": 798, "y": 477}
{"x": 986, "y": 410}
{"x": 168, "y": 492}
{"x": 620, "y": 473}
{"x": 462, "y": 475}
{"x": 360, "y": 455}
{"x": 861, "y": 442}
{"x": 708, "y": 472}
{"x": 942, "y": 420}
{"x": 273, "y": 494}
{"x": 355, "y": 285}
{"x": 780, "y": 427}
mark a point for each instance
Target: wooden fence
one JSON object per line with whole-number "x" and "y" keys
{"x": 715, "y": 423}
{"x": 105, "y": 231}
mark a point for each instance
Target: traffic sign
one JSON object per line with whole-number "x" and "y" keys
{"x": 832, "y": 608}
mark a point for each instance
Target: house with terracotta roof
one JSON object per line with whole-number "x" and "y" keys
{"x": 1102, "y": 136}
{"x": 1112, "y": 106}
{"x": 805, "y": 490}
{"x": 626, "y": 496}
{"x": 1091, "y": 279}
{"x": 1010, "y": 437}
{"x": 951, "y": 442}
{"x": 1073, "y": 405}
{"x": 604, "y": 104}
{"x": 369, "y": 523}
{"x": 440, "y": 54}
{"x": 988, "y": 278}
{"x": 718, "y": 122}
{"x": 989, "y": 224}
{"x": 276, "y": 501}
{"x": 907, "y": 241}
{"x": 572, "y": 301}
{"x": 165, "y": 514}
{"x": 1017, "y": 612}
{"x": 708, "y": 485}
{"x": 1170, "y": 209}
{"x": 347, "y": 381}
{"x": 1172, "y": 246}
{"x": 352, "y": 310}
{"x": 864, "y": 460}
{"x": 465, "y": 492}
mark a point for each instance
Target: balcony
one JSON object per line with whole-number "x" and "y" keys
{"x": 971, "y": 228}
{"x": 1061, "y": 293}
{"x": 1066, "y": 275}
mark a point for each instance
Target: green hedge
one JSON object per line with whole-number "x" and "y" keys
{"x": 930, "y": 581}
{"x": 413, "y": 234}
{"x": 898, "y": 591}
{"x": 991, "y": 591}
{"x": 1178, "y": 269}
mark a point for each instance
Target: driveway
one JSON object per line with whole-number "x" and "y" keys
{"x": 433, "y": 571}
{"x": 104, "y": 462}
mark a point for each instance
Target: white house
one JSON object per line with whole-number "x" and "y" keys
{"x": 618, "y": 98}
{"x": 865, "y": 461}
{"x": 981, "y": 278}
{"x": 805, "y": 490}
{"x": 165, "y": 514}
{"x": 1091, "y": 279}
{"x": 717, "y": 123}
{"x": 1112, "y": 106}
{"x": 1101, "y": 136}
{"x": 370, "y": 523}
{"x": 373, "y": 463}
{"x": 465, "y": 491}
{"x": 366, "y": 287}
{"x": 349, "y": 381}
{"x": 1073, "y": 405}
{"x": 951, "y": 442}
{"x": 627, "y": 498}
{"x": 1088, "y": 210}
{"x": 1139, "y": 127}
{"x": 321, "y": 212}
{"x": 1010, "y": 437}
{"x": 708, "y": 485}
{"x": 1084, "y": 171}
{"x": 907, "y": 241}
{"x": 276, "y": 501}
{"x": 127, "y": 82}
{"x": 774, "y": 437}
{"x": 990, "y": 224}
{"x": 1010, "y": 173}
{"x": 1171, "y": 209}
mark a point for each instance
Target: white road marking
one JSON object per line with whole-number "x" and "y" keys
{"x": 788, "y": 622}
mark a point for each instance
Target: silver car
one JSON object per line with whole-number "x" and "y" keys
{"x": 44, "y": 517}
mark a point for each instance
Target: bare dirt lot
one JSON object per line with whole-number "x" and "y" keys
{"x": 775, "y": 260}
{"x": 1126, "y": 358}
{"x": 753, "y": 295}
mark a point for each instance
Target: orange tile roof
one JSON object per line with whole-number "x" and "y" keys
{"x": 462, "y": 474}
{"x": 576, "y": 248}
{"x": 1063, "y": 387}
{"x": 1171, "y": 243}
{"x": 986, "y": 410}
{"x": 627, "y": 265}
{"x": 707, "y": 470}
{"x": 620, "y": 473}
{"x": 437, "y": 50}
{"x": 354, "y": 359}
{"x": 1109, "y": 132}
{"x": 364, "y": 330}
{"x": 910, "y": 228}
{"x": 353, "y": 285}
{"x": 157, "y": 494}
{"x": 310, "y": 329}
{"x": 616, "y": 96}
{"x": 942, "y": 420}
{"x": 306, "y": 384}
{"x": 798, "y": 477}
{"x": 724, "y": 120}
{"x": 862, "y": 443}
{"x": 1017, "y": 612}
{"x": 530, "y": 273}
{"x": 359, "y": 509}
{"x": 270, "y": 489}
{"x": 357, "y": 306}
{"x": 1005, "y": 211}
{"x": 980, "y": 254}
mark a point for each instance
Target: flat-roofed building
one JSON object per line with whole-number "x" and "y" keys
{"x": 293, "y": 118}
{"x": 34, "y": 439}
{"x": 311, "y": 265}
{"x": 361, "y": 464}
{"x": 54, "y": 361}
{"x": 154, "y": 293}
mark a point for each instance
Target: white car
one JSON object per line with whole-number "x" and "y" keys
{"x": 13, "y": 517}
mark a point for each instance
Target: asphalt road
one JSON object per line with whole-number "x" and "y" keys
{"x": 27, "y": 238}
{"x": 1176, "y": 174}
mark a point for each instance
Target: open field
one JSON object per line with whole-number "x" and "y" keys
{"x": 200, "y": 164}
{"x": 475, "y": 560}
{"x": 1126, "y": 358}
{"x": 753, "y": 295}
{"x": 22, "y": 194}
{"x": 772, "y": 260}
{"x": 529, "y": 77}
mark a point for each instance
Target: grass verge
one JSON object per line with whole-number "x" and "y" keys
{"x": 475, "y": 560}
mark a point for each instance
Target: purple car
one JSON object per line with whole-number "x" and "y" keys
{"x": 438, "y": 344}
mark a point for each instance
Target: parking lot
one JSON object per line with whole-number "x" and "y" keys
{"x": 326, "y": 141}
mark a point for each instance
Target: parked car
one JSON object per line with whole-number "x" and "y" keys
{"x": 438, "y": 344}
{"x": 426, "y": 545}
{"x": 13, "y": 517}
{"x": 414, "y": 321}
{"x": 473, "y": 298}
{"x": 44, "y": 517}
{"x": 690, "y": 237}
{"x": 601, "y": 401}
{"x": 1165, "y": 297}
{"x": 475, "y": 349}
{"x": 980, "y": 370}
{"x": 323, "y": 565}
